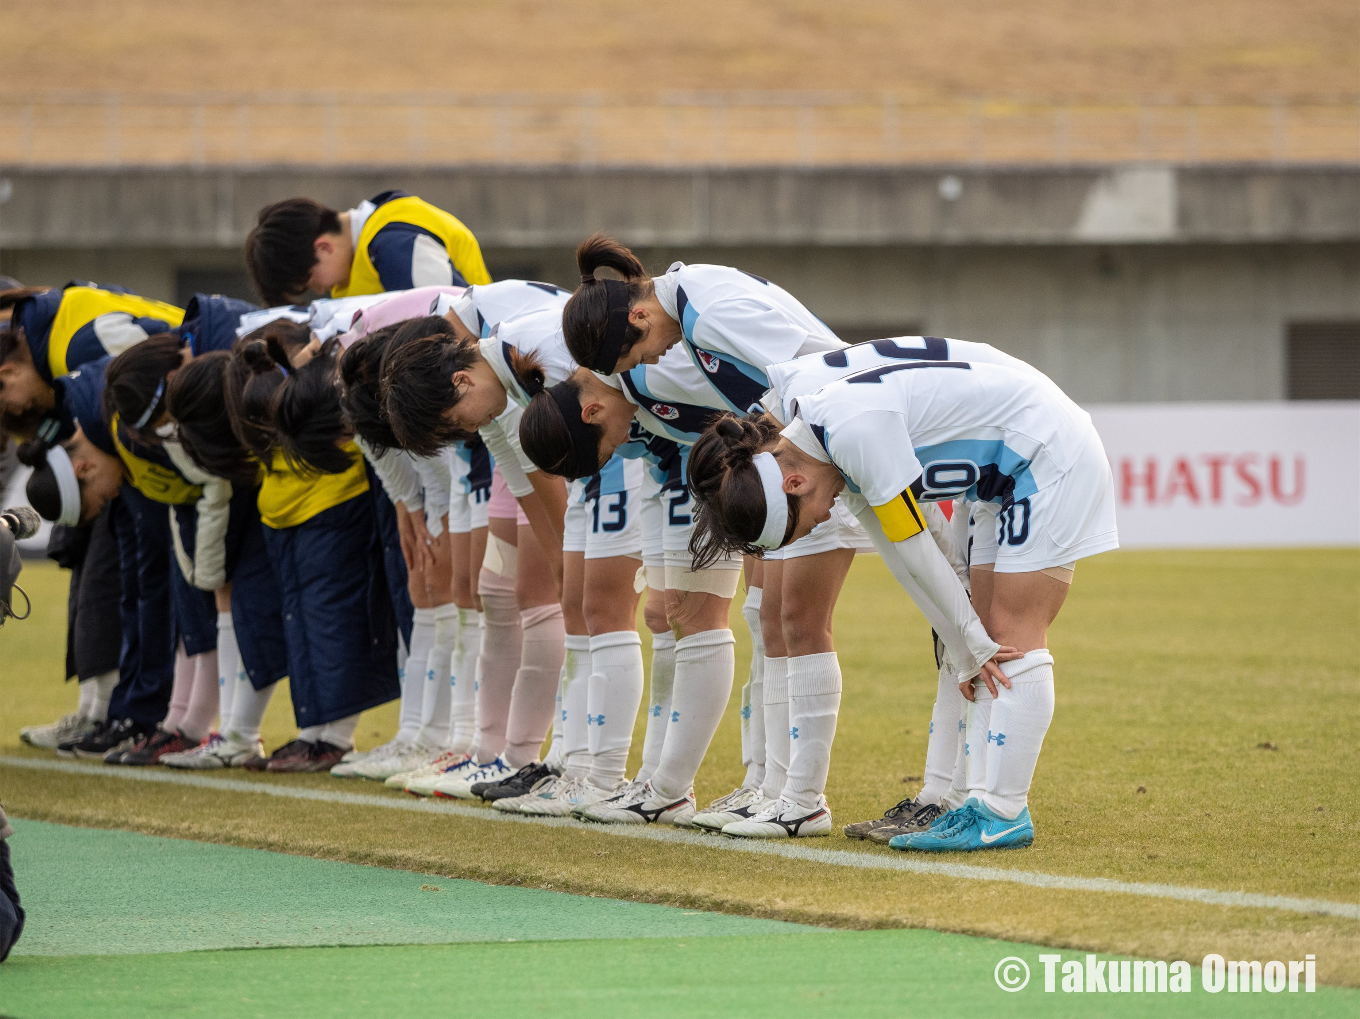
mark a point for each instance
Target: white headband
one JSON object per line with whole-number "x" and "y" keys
{"x": 67, "y": 485}
{"x": 776, "y": 502}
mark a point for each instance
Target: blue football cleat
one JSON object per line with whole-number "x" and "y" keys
{"x": 970, "y": 827}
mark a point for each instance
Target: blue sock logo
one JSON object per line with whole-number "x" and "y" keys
{"x": 793, "y": 733}
{"x": 999, "y": 738}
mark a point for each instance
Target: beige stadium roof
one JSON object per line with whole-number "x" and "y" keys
{"x": 728, "y": 82}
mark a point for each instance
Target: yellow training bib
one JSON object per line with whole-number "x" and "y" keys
{"x": 464, "y": 251}
{"x": 82, "y": 305}
{"x": 288, "y": 499}
{"x": 155, "y": 481}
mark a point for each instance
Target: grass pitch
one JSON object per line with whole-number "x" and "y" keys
{"x": 1205, "y": 735}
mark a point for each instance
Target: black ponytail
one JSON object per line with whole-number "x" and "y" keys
{"x": 196, "y": 398}
{"x": 554, "y": 437}
{"x": 42, "y": 490}
{"x": 361, "y": 390}
{"x": 308, "y": 423}
{"x": 594, "y": 320}
{"x": 728, "y": 494}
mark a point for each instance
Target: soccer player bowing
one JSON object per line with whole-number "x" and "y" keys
{"x": 899, "y": 433}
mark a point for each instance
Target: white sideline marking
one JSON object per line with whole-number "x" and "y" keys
{"x": 789, "y": 850}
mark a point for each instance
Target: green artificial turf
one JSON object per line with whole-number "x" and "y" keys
{"x": 847, "y": 973}
{"x": 174, "y": 895}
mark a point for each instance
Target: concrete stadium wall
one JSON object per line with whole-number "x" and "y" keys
{"x": 1135, "y": 283}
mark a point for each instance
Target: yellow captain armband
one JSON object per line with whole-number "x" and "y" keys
{"x": 901, "y": 518}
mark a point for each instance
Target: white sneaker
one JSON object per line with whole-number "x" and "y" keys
{"x": 510, "y": 804}
{"x": 68, "y": 727}
{"x": 423, "y": 785}
{"x": 229, "y": 751}
{"x": 433, "y": 766}
{"x": 738, "y": 805}
{"x": 380, "y": 769}
{"x": 345, "y": 769}
{"x": 354, "y": 755}
{"x": 459, "y": 787}
{"x": 783, "y": 819}
{"x": 567, "y": 796}
{"x": 645, "y": 806}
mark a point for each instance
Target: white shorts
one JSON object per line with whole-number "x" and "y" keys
{"x": 470, "y": 490}
{"x": 1068, "y": 520}
{"x": 604, "y": 512}
{"x": 840, "y": 530}
{"x": 668, "y": 523}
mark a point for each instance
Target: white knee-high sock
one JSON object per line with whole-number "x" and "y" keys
{"x": 434, "y": 707}
{"x": 658, "y": 702}
{"x": 340, "y": 733}
{"x": 202, "y": 709}
{"x": 180, "y": 691}
{"x": 574, "y": 743}
{"x": 814, "y": 704}
{"x": 413, "y": 674}
{"x": 498, "y": 663}
{"x": 704, "y": 663}
{"x": 535, "y": 692}
{"x": 753, "y": 696}
{"x": 95, "y": 693}
{"x": 975, "y": 741}
{"x": 946, "y": 733}
{"x": 612, "y": 703}
{"x": 228, "y": 665}
{"x": 1020, "y": 718}
{"x": 776, "y": 727}
{"x": 463, "y": 682}
{"x": 248, "y": 708}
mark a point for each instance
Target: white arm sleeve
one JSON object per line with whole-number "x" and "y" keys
{"x": 502, "y": 440}
{"x": 397, "y": 474}
{"x": 945, "y": 534}
{"x": 927, "y": 577}
{"x": 434, "y": 477}
{"x": 207, "y": 569}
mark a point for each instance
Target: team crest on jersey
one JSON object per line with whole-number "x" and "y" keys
{"x": 711, "y": 364}
{"x": 665, "y": 411}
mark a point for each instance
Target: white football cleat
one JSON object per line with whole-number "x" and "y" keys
{"x": 380, "y": 769}
{"x": 510, "y": 804}
{"x": 459, "y": 786}
{"x": 566, "y": 797}
{"x": 645, "y": 806}
{"x": 738, "y": 805}
{"x": 345, "y": 769}
{"x": 229, "y": 751}
{"x": 783, "y": 819}
{"x": 423, "y": 785}
{"x": 69, "y": 727}
{"x": 432, "y": 766}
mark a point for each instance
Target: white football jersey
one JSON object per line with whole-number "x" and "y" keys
{"x": 539, "y": 332}
{"x": 481, "y": 308}
{"x": 807, "y": 374}
{"x": 735, "y": 325}
{"x": 943, "y": 429}
{"x": 673, "y": 398}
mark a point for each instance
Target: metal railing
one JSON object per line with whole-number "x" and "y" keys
{"x": 663, "y": 129}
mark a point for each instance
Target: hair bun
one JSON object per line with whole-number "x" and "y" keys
{"x": 33, "y": 454}
{"x": 730, "y": 431}
{"x": 257, "y": 357}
